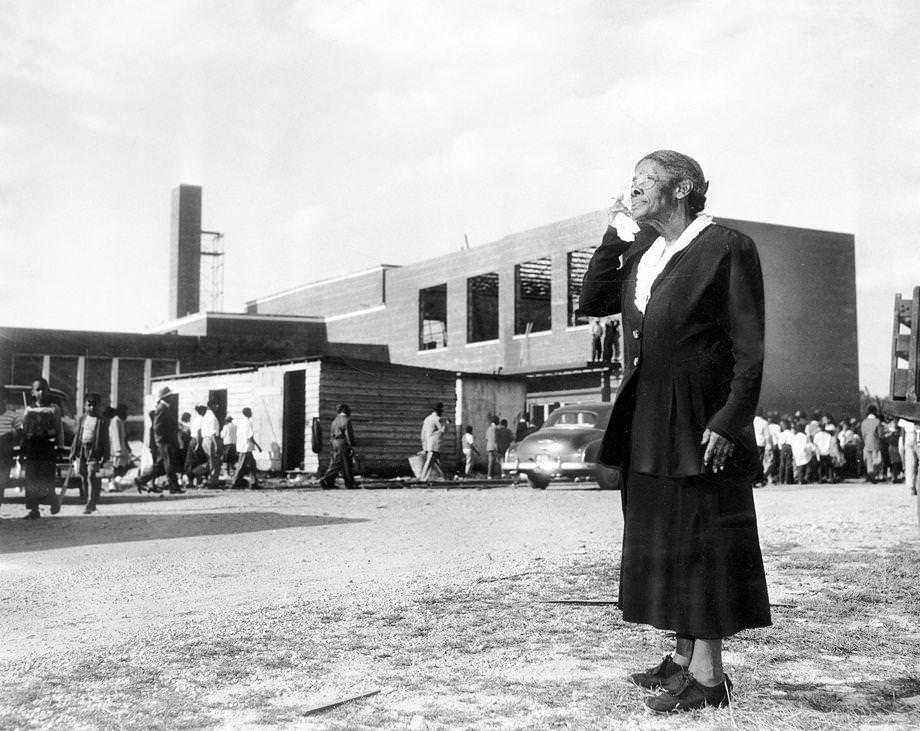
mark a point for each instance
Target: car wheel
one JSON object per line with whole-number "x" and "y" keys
{"x": 537, "y": 482}
{"x": 607, "y": 478}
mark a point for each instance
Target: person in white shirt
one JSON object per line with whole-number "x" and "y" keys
{"x": 910, "y": 447}
{"x": 802, "y": 451}
{"x": 122, "y": 459}
{"x": 774, "y": 429}
{"x": 825, "y": 444}
{"x": 432, "y": 429}
{"x": 786, "y": 460}
{"x": 245, "y": 443}
{"x": 228, "y": 437}
{"x": 195, "y": 458}
{"x": 210, "y": 442}
{"x": 764, "y": 448}
{"x": 469, "y": 450}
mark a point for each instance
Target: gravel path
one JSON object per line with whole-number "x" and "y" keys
{"x": 142, "y": 562}
{"x": 145, "y": 570}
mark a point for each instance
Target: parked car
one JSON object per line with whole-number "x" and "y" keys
{"x": 566, "y": 445}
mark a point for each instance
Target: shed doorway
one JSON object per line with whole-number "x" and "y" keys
{"x": 217, "y": 400}
{"x": 294, "y": 421}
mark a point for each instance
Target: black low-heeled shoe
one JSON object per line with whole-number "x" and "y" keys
{"x": 685, "y": 693}
{"x": 654, "y": 678}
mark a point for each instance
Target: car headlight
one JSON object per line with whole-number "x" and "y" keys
{"x": 511, "y": 454}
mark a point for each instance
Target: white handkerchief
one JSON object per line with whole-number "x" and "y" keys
{"x": 625, "y": 226}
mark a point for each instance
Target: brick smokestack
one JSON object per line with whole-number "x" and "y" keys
{"x": 185, "y": 251}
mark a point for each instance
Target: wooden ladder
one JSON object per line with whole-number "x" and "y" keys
{"x": 904, "y": 348}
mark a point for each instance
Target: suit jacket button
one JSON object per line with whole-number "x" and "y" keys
{"x": 636, "y": 334}
{"x": 636, "y": 361}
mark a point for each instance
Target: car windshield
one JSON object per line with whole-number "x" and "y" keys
{"x": 572, "y": 418}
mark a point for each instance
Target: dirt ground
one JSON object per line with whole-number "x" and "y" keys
{"x": 459, "y": 608}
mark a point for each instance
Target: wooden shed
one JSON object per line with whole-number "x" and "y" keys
{"x": 388, "y": 404}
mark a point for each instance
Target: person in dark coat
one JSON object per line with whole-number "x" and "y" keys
{"x": 166, "y": 438}
{"x": 611, "y": 340}
{"x": 690, "y": 293}
{"x": 42, "y": 435}
{"x": 342, "y": 437}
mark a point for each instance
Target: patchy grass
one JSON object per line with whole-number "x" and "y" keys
{"x": 490, "y": 652}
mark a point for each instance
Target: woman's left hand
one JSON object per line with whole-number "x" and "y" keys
{"x": 718, "y": 450}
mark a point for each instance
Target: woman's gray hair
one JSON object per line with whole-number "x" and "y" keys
{"x": 684, "y": 167}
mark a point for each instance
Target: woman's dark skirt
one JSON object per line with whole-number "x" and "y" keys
{"x": 691, "y": 556}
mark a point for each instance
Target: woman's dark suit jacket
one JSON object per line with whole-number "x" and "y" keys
{"x": 693, "y": 361}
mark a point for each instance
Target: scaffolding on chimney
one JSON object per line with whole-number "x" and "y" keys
{"x": 211, "y": 297}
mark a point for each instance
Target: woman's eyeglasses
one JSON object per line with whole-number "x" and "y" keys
{"x": 644, "y": 182}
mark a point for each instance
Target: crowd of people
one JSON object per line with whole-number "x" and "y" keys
{"x": 605, "y": 339}
{"x": 188, "y": 452}
{"x": 194, "y": 451}
{"x": 801, "y": 449}
{"x": 498, "y": 438}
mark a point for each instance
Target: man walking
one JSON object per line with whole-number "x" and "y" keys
{"x": 492, "y": 456}
{"x": 166, "y": 441}
{"x": 872, "y": 445}
{"x": 432, "y": 429}
{"x": 342, "y": 437}
{"x": 245, "y": 443}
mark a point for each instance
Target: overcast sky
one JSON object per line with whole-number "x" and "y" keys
{"x": 334, "y": 136}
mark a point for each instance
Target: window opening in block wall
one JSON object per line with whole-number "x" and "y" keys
{"x": 432, "y": 317}
{"x": 532, "y": 304}
{"x": 577, "y": 266}
{"x": 482, "y": 308}
{"x": 26, "y": 368}
{"x": 131, "y": 394}
{"x": 97, "y": 378}
{"x": 63, "y": 376}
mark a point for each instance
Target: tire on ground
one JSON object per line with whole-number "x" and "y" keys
{"x": 538, "y": 482}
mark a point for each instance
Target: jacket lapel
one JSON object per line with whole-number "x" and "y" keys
{"x": 675, "y": 260}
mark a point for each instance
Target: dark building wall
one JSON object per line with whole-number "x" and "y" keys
{"x": 296, "y": 339}
{"x": 388, "y": 402}
{"x": 309, "y": 337}
{"x": 185, "y": 251}
{"x": 811, "y": 337}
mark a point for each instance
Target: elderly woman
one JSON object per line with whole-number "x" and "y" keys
{"x": 690, "y": 293}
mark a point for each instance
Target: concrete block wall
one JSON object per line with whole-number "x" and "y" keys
{"x": 810, "y": 293}
{"x": 398, "y": 324}
{"x": 350, "y": 293}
